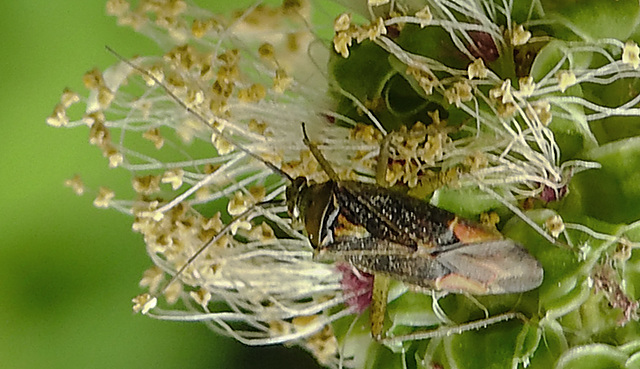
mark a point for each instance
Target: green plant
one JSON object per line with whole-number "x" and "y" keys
{"x": 523, "y": 115}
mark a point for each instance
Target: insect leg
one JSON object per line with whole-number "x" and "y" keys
{"x": 437, "y": 309}
{"x": 449, "y": 330}
{"x": 477, "y": 304}
{"x": 381, "y": 283}
{"x": 378, "y": 257}
{"x": 379, "y": 305}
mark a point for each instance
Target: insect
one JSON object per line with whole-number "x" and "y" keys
{"x": 392, "y": 235}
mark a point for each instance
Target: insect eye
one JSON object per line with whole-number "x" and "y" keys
{"x": 293, "y": 195}
{"x": 299, "y": 182}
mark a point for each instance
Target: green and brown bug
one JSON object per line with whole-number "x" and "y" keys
{"x": 392, "y": 235}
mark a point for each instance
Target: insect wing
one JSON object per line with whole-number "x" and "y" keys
{"x": 483, "y": 268}
{"x": 394, "y": 216}
{"x": 489, "y": 268}
{"x": 378, "y": 256}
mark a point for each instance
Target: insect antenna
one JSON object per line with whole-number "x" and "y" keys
{"x": 237, "y": 145}
{"x": 198, "y": 116}
{"x": 324, "y": 163}
{"x": 223, "y": 231}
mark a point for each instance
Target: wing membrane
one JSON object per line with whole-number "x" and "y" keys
{"x": 483, "y": 268}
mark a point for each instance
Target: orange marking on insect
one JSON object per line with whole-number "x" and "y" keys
{"x": 469, "y": 233}
{"x": 456, "y": 282}
{"x": 345, "y": 228}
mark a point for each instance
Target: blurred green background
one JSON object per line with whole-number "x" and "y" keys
{"x": 68, "y": 270}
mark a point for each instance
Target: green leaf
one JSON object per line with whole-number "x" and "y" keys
{"x": 573, "y": 135}
{"x": 592, "y": 19}
{"x": 413, "y": 309}
{"x": 467, "y": 202}
{"x": 432, "y": 42}
{"x": 631, "y": 275}
{"x": 595, "y": 356}
{"x": 490, "y": 347}
{"x": 348, "y": 72}
{"x": 633, "y": 362}
{"x": 631, "y": 348}
{"x": 402, "y": 100}
{"x": 612, "y": 193}
{"x": 527, "y": 343}
{"x": 552, "y": 54}
{"x": 379, "y": 356}
{"x": 553, "y": 345}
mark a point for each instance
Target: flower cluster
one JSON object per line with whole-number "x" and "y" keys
{"x": 511, "y": 113}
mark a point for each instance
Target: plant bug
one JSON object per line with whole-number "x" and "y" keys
{"x": 392, "y": 235}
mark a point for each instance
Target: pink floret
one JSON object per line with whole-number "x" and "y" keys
{"x": 357, "y": 285}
